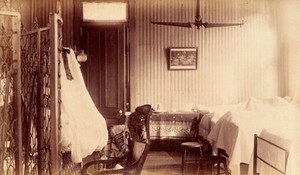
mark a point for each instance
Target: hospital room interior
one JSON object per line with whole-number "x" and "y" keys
{"x": 142, "y": 87}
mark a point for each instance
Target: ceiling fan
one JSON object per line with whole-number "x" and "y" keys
{"x": 198, "y": 22}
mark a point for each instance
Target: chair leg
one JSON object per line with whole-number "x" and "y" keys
{"x": 183, "y": 161}
{"x": 215, "y": 167}
{"x": 200, "y": 151}
{"x": 226, "y": 168}
{"x": 200, "y": 160}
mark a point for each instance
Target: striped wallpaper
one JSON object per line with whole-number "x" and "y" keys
{"x": 234, "y": 63}
{"x": 37, "y": 11}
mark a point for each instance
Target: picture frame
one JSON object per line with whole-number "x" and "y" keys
{"x": 183, "y": 58}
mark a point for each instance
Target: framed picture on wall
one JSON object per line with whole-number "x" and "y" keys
{"x": 183, "y": 58}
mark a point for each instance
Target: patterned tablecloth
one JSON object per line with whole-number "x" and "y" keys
{"x": 171, "y": 125}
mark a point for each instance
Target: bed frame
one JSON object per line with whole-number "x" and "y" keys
{"x": 257, "y": 157}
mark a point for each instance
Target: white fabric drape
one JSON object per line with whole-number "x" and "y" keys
{"x": 84, "y": 129}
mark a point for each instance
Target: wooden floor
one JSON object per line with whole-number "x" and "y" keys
{"x": 169, "y": 163}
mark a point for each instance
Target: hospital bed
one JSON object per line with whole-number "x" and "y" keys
{"x": 233, "y": 131}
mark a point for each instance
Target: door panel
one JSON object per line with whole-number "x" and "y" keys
{"x": 110, "y": 68}
{"x": 104, "y": 70}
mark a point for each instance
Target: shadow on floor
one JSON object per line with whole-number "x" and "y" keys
{"x": 169, "y": 163}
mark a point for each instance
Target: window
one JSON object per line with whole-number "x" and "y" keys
{"x": 105, "y": 11}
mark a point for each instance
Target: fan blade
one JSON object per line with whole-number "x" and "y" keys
{"x": 208, "y": 25}
{"x": 198, "y": 16}
{"x": 178, "y": 24}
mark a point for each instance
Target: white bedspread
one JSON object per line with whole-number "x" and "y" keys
{"x": 214, "y": 113}
{"x": 210, "y": 118}
{"x": 83, "y": 129}
{"x": 234, "y": 131}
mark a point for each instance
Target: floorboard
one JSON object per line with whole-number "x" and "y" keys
{"x": 169, "y": 163}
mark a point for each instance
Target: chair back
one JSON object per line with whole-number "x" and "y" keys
{"x": 138, "y": 126}
{"x": 139, "y": 144}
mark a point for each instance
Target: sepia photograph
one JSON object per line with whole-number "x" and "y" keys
{"x": 149, "y": 87}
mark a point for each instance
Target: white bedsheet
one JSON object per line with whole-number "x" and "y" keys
{"x": 83, "y": 129}
{"x": 234, "y": 131}
{"x": 210, "y": 118}
{"x": 214, "y": 113}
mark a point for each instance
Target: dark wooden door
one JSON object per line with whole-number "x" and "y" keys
{"x": 104, "y": 71}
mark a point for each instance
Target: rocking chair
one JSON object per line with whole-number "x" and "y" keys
{"x": 138, "y": 126}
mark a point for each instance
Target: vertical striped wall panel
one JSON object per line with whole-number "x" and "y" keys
{"x": 234, "y": 63}
{"x": 42, "y": 8}
{"x": 33, "y": 11}
{"x": 289, "y": 24}
{"x": 67, "y": 16}
{"x": 39, "y": 10}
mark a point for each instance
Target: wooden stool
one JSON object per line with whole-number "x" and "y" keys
{"x": 186, "y": 148}
{"x": 212, "y": 160}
